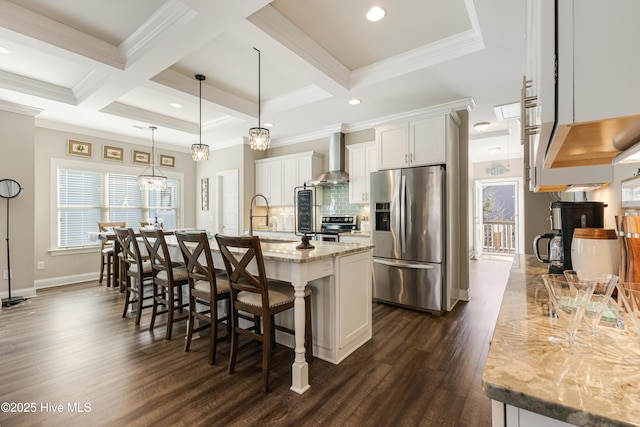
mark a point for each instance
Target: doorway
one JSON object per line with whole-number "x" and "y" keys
{"x": 499, "y": 223}
{"x": 227, "y": 202}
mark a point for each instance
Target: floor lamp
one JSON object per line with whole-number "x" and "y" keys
{"x": 9, "y": 189}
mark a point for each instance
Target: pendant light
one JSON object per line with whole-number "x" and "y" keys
{"x": 259, "y": 136}
{"x": 155, "y": 180}
{"x": 200, "y": 151}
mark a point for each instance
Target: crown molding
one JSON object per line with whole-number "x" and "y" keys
{"x": 37, "y": 88}
{"x": 19, "y": 109}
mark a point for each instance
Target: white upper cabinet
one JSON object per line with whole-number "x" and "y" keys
{"x": 582, "y": 69}
{"x": 427, "y": 141}
{"x": 277, "y": 177}
{"x": 579, "y": 90}
{"x": 362, "y": 161}
{"x": 414, "y": 143}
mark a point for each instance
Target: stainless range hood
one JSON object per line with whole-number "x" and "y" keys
{"x": 336, "y": 174}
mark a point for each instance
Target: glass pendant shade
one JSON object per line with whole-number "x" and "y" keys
{"x": 200, "y": 151}
{"x": 259, "y": 138}
{"x": 151, "y": 178}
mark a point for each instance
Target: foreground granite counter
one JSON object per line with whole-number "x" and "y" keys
{"x": 534, "y": 384}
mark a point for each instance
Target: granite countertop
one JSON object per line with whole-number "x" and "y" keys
{"x": 523, "y": 370}
{"x": 287, "y": 251}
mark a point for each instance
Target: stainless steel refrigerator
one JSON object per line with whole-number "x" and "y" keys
{"x": 408, "y": 231}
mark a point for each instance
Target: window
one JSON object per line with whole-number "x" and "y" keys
{"x": 88, "y": 197}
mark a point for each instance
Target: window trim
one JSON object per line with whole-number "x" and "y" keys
{"x": 102, "y": 168}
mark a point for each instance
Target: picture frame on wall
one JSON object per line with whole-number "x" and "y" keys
{"x": 141, "y": 157}
{"x": 112, "y": 153}
{"x": 167, "y": 161}
{"x": 79, "y": 148}
{"x": 204, "y": 188}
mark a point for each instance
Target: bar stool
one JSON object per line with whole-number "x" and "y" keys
{"x": 207, "y": 287}
{"x": 168, "y": 279}
{"x": 260, "y": 296}
{"x": 106, "y": 250}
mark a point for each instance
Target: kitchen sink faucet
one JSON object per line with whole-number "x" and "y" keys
{"x": 266, "y": 216}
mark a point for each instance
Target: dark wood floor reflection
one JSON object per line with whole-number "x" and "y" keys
{"x": 70, "y": 347}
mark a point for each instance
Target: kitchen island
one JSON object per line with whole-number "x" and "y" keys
{"x": 340, "y": 277}
{"x": 532, "y": 383}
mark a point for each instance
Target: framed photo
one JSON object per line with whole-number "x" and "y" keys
{"x": 167, "y": 161}
{"x": 141, "y": 157}
{"x": 79, "y": 148}
{"x": 113, "y": 153}
{"x": 204, "y": 188}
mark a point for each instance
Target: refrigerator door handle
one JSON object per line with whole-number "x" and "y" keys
{"x": 403, "y": 264}
{"x": 403, "y": 213}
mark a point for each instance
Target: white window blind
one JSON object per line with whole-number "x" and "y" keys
{"x": 88, "y": 197}
{"x": 124, "y": 199}
{"x": 79, "y": 206}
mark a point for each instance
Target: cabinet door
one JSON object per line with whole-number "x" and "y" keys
{"x": 371, "y": 153}
{"x": 357, "y": 175}
{"x": 290, "y": 173}
{"x": 262, "y": 182}
{"x": 427, "y": 141}
{"x": 392, "y": 143}
{"x": 275, "y": 183}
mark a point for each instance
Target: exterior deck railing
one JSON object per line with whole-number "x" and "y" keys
{"x": 499, "y": 237}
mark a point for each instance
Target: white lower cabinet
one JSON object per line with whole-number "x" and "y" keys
{"x": 504, "y": 415}
{"x": 341, "y": 309}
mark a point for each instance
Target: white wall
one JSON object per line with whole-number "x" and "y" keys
{"x": 65, "y": 268}
{"x": 16, "y": 162}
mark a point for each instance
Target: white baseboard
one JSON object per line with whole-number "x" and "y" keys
{"x": 464, "y": 294}
{"x": 22, "y": 292}
{"x": 65, "y": 280}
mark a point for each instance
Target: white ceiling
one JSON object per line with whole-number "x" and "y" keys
{"x": 114, "y": 66}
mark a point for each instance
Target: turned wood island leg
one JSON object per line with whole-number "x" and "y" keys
{"x": 300, "y": 368}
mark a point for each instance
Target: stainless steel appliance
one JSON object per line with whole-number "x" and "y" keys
{"x": 332, "y": 226}
{"x": 565, "y": 218}
{"x": 408, "y": 230}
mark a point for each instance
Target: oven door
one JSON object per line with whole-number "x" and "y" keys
{"x": 328, "y": 237}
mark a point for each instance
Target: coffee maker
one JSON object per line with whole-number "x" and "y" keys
{"x": 566, "y": 217}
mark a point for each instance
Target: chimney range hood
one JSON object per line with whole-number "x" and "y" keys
{"x": 336, "y": 174}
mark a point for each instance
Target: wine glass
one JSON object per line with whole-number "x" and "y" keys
{"x": 569, "y": 299}
{"x": 598, "y": 303}
{"x": 629, "y": 293}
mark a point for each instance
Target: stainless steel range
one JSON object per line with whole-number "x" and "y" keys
{"x": 332, "y": 226}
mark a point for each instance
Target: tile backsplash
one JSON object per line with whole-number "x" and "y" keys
{"x": 335, "y": 201}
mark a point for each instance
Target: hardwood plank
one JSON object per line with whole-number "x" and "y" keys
{"x": 70, "y": 345}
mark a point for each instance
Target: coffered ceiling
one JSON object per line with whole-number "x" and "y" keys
{"x": 117, "y": 66}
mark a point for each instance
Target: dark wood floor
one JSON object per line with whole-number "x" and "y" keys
{"x": 70, "y": 346}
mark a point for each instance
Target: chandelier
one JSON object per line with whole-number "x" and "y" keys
{"x": 200, "y": 151}
{"x": 151, "y": 178}
{"x": 259, "y": 136}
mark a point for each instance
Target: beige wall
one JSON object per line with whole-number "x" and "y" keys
{"x": 16, "y": 162}
{"x": 76, "y": 266}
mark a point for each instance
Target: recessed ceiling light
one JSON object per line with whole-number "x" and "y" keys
{"x": 376, "y": 13}
{"x": 267, "y": 125}
{"x": 354, "y": 101}
{"x": 495, "y": 149}
{"x": 4, "y": 50}
{"x": 175, "y": 105}
{"x": 482, "y": 126}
